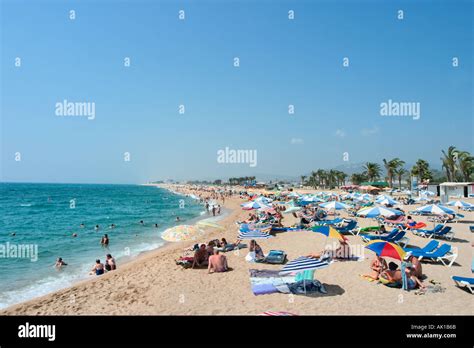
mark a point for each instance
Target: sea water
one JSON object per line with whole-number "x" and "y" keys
{"x": 45, "y": 217}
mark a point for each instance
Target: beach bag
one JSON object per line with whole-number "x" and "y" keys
{"x": 276, "y": 257}
{"x": 250, "y": 256}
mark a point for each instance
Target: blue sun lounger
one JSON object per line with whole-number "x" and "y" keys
{"x": 427, "y": 233}
{"x": 428, "y": 248}
{"x": 349, "y": 228}
{"x": 369, "y": 237}
{"x": 442, "y": 254}
{"x": 464, "y": 281}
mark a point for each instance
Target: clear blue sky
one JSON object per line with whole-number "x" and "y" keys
{"x": 191, "y": 62}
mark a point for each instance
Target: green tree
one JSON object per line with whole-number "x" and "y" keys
{"x": 372, "y": 171}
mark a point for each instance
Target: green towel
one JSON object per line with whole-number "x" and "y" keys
{"x": 305, "y": 275}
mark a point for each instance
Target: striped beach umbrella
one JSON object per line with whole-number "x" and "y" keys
{"x": 278, "y": 314}
{"x": 253, "y": 234}
{"x": 386, "y": 249}
{"x": 378, "y": 211}
{"x": 435, "y": 209}
{"x": 460, "y": 204}
{"x": 328, "y": 231}
{"x": 303, "y": 263}
{"x": 254, "y": 205}
{"x": 334, "y": 205}
{"x": 182, "y": 233}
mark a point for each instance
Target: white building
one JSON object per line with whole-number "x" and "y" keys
{"x": 450, "y": 190}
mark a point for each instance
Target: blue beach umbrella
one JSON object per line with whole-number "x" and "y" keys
{"x": 378, "y": 211}
{"x": 334, "y": 205}
{"x": 435, "y": 209}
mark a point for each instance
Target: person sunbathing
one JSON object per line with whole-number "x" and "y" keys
{"x": 413, "y": 281}
{"x": 378, "y": 265}
{"x": 392, "y": 274}
{"x": 343, "y": 251}
{"x": 217, "y": 263}
{"x": 201, "y": 257}
{"x": 410, "y": 221}
{"x": 415, "y": 264}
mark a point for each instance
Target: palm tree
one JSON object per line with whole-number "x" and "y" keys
{"x": 357, "y": 178}
{"x": 399, "y": 173}
{"x": 421, "y": 170}
{"x": 372, "y": 171}
{"x": 321, "y": 175}
{"x": 391, "y": 166}
{"x": 466, "y": 165}
{"x": 303, "y": 177}
{"x": 449, "y": 162}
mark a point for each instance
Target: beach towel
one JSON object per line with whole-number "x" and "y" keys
{"x": 268, "y": 282}
{"x": 263, "y": 289}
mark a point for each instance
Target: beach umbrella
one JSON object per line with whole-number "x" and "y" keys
{"x": 421, "y": 199}
{"x": 303, "y": 263}
{"x": 264, "y": 200}
{"x": 334, "y": 205}
{"x": 427, "y": 193}
{"x": 372, "y": 212}
{"x": 253, "y": 234}
{"x": 278, "y": 314}
{"x": 293, "y": 194}
{"x": 435, "y": 209}
{"x": 291, "y": 207}
{"x": 254, "y": 205}
{"x": 460, "y": 204}
{"x": 386, "y": 249}
{"x": 328, "y": 231}
{"x": 182, "y": 233}
{"x": 387, "y": 201}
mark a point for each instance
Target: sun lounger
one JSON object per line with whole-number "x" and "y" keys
{"x": 351, "y": 226}
{"x": 329, "y": 222}
{"x": 464, "y": 281}
{"x": 427, "y": 233}
{"x": 367, "y": 229}
{"x": 442, "y": 254}
{"x": 445, "y": 233}
{"x": 388, "y": 237}
{"x": 428, "y": 248}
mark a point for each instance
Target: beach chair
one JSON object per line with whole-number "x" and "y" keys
{"x": 428, "y": 248}
{"x": 399, "y": 220}
{"x": 329, "y": 222}
{"x": 387, "y": 238}
{"x": 444, "y": 233}
{"x": 400, "y": 238}
{"x": 349, "y": 228}
{"x": 427, "y": 233}
{"x": 442, "y": 254}
{"x": 471, "y": 228}
{"x": 464, "y": 282}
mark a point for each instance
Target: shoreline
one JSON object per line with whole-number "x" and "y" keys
{"x": 124, "y": 260}
{"x": 152, "y": 284}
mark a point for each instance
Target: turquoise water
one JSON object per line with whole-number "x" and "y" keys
{"x": 43, "y": 215}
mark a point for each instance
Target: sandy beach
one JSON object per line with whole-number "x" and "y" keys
{"x": 154, "y": 284}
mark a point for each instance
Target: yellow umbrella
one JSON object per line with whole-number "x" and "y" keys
{"x": 182, "y": 233}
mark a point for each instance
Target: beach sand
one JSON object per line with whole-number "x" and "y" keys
{"x": 153, "y": 284}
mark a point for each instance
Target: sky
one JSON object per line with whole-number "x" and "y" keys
{"x": 190, "y": 62}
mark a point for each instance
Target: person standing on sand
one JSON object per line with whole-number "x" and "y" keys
{"x": 213, "y": 210}
{"x": 217, "y": 263}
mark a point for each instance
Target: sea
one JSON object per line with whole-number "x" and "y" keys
{"x": 38, "y": 221}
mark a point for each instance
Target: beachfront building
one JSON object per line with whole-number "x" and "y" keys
{"x": 456, "y": 190}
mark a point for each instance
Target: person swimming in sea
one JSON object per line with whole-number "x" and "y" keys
{"x": 59, "y": 263}
{"x": 177, "y": 219}
{"x": 141, "y": 222}
{"x": 112, "y": 226}
{"x": 156, "y": 225}
{"x": 82, "y": 225}
{"x": 105, "y": 241}
{"x": 96, "y": 227}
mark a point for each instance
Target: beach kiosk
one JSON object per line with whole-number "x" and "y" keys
{"x": 456, "y": 190}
